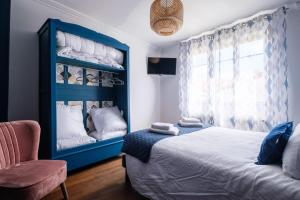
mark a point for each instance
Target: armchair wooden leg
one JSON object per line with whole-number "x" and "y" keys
{"x": 64, "y": 191}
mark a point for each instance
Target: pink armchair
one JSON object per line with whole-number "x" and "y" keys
{"x": 22, "y": 175}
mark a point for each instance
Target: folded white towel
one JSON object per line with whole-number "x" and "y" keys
{"x": 189, "y": 124}
{"x": 172, "y": 131}
{"x": 190, "y": 120}
{"x": 162, "y": 126}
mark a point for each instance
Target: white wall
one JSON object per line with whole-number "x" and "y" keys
{"x": 27, "y": 17}
{"x": 169, "y": 96}
{"x": 169, "y": 85}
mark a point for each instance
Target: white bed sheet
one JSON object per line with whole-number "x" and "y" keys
{"x": 211, "y": 164}
{"x": 74, "y": 142}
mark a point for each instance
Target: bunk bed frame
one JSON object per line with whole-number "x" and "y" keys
{"x": 50, "y": 92}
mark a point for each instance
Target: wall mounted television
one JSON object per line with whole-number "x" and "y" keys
{"x": 161, "y": 66}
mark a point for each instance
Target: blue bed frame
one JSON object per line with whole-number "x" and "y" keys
{"x": 50, "y": 92}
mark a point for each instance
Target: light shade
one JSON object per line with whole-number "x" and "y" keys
{"x": 166, "y": 16}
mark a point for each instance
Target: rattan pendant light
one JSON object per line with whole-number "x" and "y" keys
{"x": 166, "y": 16}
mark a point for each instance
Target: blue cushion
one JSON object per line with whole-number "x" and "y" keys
{"x": 273, "y": 145}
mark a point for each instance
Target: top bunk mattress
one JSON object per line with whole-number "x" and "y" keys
{"x": 214, "y": 163}
{"x": 75, "y": 47}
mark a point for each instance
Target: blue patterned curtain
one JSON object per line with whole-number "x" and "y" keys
{"x": 237, "y": 77}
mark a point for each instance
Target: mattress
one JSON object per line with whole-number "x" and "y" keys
{"x": 75, "y": 47}
{"x": 108, "y": 135}
{"x": 216, "y": 164}
{"x": 74, "y": 142}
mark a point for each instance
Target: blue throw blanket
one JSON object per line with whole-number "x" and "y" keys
{"x": 139, "y": 144}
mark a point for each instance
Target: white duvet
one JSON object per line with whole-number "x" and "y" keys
{"x": 211, "y": 164}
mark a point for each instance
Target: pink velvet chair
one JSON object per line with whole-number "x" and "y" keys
{"x": 22, "y": 175}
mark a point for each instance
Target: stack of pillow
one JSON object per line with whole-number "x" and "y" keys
{"x": 282, "y": 146}
{"x": 291, "y": 155}
{"x": 70, "y": 128}
{"x": 164, "y": 128}
{"x": 108, "y": 123}
{"x": 190, "y": 122}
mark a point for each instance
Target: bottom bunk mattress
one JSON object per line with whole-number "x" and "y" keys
{"x": 74, "y": 142}
{"x": 93, "y": 137}
{"x": 210, "y": 164}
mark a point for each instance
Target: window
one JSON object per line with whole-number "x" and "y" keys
{"x": 237, "y": 77}
{"x": 251, "y": 81}
{"x": 233, "y": 86}
{"x": 199, "y": 79}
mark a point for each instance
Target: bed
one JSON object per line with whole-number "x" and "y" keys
{"x": 210, "y": 164}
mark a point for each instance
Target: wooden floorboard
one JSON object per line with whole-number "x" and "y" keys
{"x": 103, "y": 181}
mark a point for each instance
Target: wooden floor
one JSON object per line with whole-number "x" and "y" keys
{"x": 104, "y": 181}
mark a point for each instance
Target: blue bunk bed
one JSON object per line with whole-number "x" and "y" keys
{"x": 51, "y": 92}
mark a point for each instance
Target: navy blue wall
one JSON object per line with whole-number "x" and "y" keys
{"x": 4, "y": 60}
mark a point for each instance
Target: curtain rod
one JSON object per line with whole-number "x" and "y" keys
{"x": 295, "y": 5}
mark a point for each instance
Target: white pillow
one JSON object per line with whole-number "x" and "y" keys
{"x": 291, "y": 155}
{"x": 69, "y": 121}
{"x": 108, "y": 119}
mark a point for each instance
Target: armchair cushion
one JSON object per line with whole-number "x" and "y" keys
{"x": 32, "y": 179}
{"x": 28, "y": 136}
{"x": 19, "y": 142}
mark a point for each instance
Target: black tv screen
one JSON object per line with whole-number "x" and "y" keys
{"x": 162, "y": 66}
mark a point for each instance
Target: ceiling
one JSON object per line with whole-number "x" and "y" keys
{"x": 132, "y": 16}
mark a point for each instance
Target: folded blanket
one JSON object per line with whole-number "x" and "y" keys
{"x": 161, "y": 126}
{"x": 64, "y": 51}
{"x": 190, "y": 120}
{"x": 189, "y": 124}
{"x": 171, "y": 131}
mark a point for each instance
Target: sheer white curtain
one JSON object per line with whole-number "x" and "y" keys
{"x": 237, "y": 77}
